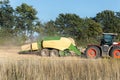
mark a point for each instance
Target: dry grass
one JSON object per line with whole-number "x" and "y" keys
{"x": 30, "y": 67}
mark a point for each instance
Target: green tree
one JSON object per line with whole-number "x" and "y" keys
{"x": 117, "y": 25}
{"x": 117, "y": 22}
{"x": 108, "y": 20}
{"x": 50, "y": 28}
{"x": 91, "y": 30}
{"x": 6, "y": 19}
{"x": 26, "y": 20}
{"x": 69, "y": 25}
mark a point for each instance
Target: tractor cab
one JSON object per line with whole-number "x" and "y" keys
{"x": 108, "y": 39}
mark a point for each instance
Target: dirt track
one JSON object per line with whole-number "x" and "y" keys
{"x": 7, "y": 51}
{"x": 10, "y": 54}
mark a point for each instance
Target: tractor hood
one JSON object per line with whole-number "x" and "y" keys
{"x": 116, "y": 43}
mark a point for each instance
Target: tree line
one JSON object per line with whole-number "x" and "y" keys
{"x": 22, "y": 24}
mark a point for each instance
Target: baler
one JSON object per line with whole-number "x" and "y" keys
{"x": 53, "y": 46}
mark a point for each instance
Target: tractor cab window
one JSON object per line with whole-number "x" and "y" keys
{"x": 107, "y": 39}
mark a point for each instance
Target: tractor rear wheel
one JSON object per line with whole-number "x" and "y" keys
{"x": 44, "y": 52}
{"x": 115, "y": 52}
{"x": 54, "y": 53}
{"x": 92, "y": 52}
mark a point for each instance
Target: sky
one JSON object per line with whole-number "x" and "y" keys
{"x": 50, "y": 9}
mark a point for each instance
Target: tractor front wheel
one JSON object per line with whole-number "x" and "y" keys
{"x": 115, "y": 52}
{"x": 92, "y": 52}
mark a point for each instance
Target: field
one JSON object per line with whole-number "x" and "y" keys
{"x": 31, "y": 67}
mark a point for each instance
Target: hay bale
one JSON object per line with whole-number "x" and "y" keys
{"x": 32, "y": 46}
{"x": 26, "y": 47}
{"x": 35, "y": 46}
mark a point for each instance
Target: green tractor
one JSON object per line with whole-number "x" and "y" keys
{"x": 107, "y": 47}
{"x": 53, "y": 46}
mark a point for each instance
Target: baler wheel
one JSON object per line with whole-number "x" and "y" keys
{"x": 54, "y": 53}
{"x": 44, "y": 52}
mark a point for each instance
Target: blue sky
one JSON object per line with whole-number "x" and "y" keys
{"x": 50, "y": 9}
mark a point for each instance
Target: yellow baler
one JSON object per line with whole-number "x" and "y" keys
{"x": 53, "y": 46}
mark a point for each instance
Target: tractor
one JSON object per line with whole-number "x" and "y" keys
{"x": 107, "y": 47}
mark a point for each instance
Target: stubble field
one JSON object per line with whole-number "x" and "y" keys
{"x": 31, "y": 67}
